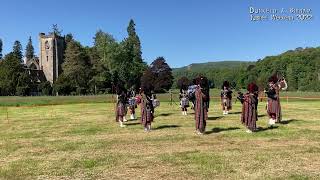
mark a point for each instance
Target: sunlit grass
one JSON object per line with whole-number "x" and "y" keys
{"x": 83, "y": 141}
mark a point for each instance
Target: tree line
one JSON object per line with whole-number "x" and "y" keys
{"x": 88, "y": 70}
{"x": 300, "y": 68}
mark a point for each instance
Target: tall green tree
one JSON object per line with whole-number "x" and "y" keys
{"x": 132, "y": 56}
{"x": 106, "y": 47}
{"x": 29, "y": 49}
{"x": 10, "y": 69}
{"x": 76, "y": 66}
{"x": 56, "y": 30}
{"x": 17, "y": 50}
{"x": 134, "y": 42}
{"x": 163, "y": 74}
{"x": 1, "y": 44}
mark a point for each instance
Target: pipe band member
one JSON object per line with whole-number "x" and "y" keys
{"x": 147, "y": 109}
{"x": 249, "y": 115}
{"x": 226, "y": 97}
{"x": 132, "y": 104}
{"x": 121, "y": 106}
{"x": 201, "y": 104}
{"x": 275, "y": 85}
{"x": 184, "y": 101}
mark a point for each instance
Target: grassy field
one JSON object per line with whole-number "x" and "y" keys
{"x": 109, "y": 98}
{"x": 81, "y": 140}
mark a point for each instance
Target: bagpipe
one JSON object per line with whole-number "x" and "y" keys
{"x": 155, "y": 101}
{"x": 240, "y": 97}
{"x": 192, "y": 92}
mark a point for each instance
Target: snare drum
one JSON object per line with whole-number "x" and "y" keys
{"x": 132, "y": 102}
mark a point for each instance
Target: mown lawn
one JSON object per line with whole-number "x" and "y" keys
{"x": 83, "y": 141}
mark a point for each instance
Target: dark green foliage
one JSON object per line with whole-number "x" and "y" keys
{"x": 68, "y": 38}
{"x": 10, "y": 71}
{"x": 63, "y": 86}
{"x": 158, "y": 76}
{"x": 56, "y": 30}
{"x": 131, "y": 64}
{"x": 17, "y": 50}
{"x": 76, "y": 65}
{"x": 1, "y": 44}
{"x": 45, "y": 88}
{"x": 183, "y": 83}
{"x": 29, "y": 49}
{"x": 163, "y": 75}
{"x": 24, "y": 82}
{"x": 147, "y": 79}
{"x": 300, "y": 67}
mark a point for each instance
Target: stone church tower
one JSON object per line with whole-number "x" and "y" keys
{"x": 51, "y": 55}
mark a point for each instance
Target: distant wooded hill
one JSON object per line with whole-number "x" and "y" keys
{"x": 301, "y": 68}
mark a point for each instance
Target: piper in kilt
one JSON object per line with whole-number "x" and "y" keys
{"x": 147, "y": 109}
{"x": 132, "y": 104}
{"x": 226, "y": 97}
{"x": 249, "y": 115}
{"x": 184, "y": 101}
{"x": 121, "y": 106}
{"x": 273, "y": 103}
{"x": 201, "y": 104}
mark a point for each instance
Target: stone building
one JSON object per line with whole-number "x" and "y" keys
{"x": 48, "y": 66}
{"x": 51, "y": 55}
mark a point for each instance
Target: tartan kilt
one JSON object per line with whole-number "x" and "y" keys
{"x": 226, "y": 102}
{"x": 274, "y": 109}
{"x": 121, "y": 109}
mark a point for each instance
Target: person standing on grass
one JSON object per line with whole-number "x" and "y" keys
{"x": 273, "y": 94}
{"x": 147, "y": 108}
{"x": 249, "y": 115}
{"x": 226, "y": 97}
{"x": 121, "y": 106}
{"x": 201, "y": 104}
{"x": 184, "y": 100}
{"x": 132, "y": 103}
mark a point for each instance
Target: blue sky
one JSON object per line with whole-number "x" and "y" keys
{"x": 183, "y": 31}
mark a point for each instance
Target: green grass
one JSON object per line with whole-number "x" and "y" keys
{"x": 109, "y": 98}
{"x": 79, "y": 139}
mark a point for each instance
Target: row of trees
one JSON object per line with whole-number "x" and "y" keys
{"x": 300, "y": 67}
{"x": 13, "y": 77}
{"x": 88, "y": 70}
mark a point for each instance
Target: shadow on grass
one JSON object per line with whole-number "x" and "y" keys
{"x": 215, "y": 118}
{"x": 234, "y": 112}
{"x": 132, "y": 124}
{"x": 165, "y": 114}
{"x": 261, "y": 129}
{"x": 262, "y": 115}
{"x": 288, "y": 121}
{"x": 217, "y": 130}
{"x": 166, "y": 126}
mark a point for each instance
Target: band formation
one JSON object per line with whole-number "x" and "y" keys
{"x": 197, "y": 97}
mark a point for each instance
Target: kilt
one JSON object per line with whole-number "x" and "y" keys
{"x": 226, "y": 102}
{"x": 274, "y": 109}
{"x": 120, "y": 111}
